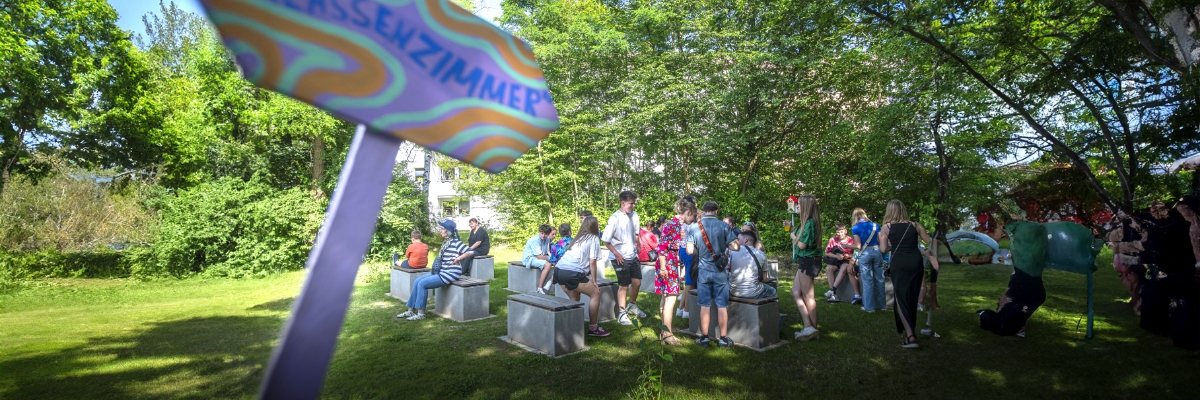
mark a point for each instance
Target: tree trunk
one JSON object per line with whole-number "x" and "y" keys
{"x": 318, "y": 166}
{"x": 545, "y": 188}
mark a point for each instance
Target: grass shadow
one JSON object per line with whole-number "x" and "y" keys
{"x": 210, "y": 357}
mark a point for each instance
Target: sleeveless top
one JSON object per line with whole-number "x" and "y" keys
{"x": 902, "y": 240}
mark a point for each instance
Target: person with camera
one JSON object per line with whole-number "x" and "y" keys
{"x": 807, "y": 238}
{"x": 839, "y": 265}
{"x": 707, "y": 240}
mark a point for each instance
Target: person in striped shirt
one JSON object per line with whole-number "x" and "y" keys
{"x": 450, "y": 256}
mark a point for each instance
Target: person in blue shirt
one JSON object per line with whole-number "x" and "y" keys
{"x": 556, "y": 252}
{"x": 712, "y": 281}
{"x": 537, "y": 250}
{"x": 870, "y": 261}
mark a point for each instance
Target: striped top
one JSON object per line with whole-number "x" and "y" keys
{"x": 451, "y": 249}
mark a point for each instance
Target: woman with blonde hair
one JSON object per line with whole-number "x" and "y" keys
{"x": 899, "y": 236}
{"x": 870, "y": 261}
{"x": 807, "y": 238}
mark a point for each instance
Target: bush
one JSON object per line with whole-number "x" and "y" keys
{"x": 404, "y": 209}
{"x": 73, "y": 211}
{"x": 231, "y": 228}
{"x": 16, "y": 266}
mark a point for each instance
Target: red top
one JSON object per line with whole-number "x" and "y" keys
{"x": 417, "y": 255}
{"x": 846, "y": 243}
{"x": 646, "y": 242}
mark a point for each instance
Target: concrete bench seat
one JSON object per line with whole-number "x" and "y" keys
{"x": 484, "y": 267}
{"x": 648, "y": 274}
{"x": 524, "y": 280}
{"x": 608, "y": 300}
{"x": 463, "y": 300}
{"x": 402, "y": 281}
{"x": 753, "y": 323}
{"x": 545, "y": 324}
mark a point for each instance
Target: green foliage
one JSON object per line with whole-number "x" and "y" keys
{"x": 404, "y": 209}
{"x": 53, "y": 264}
{"x": 232, "y": 228}
{"x": 73, "y": 211}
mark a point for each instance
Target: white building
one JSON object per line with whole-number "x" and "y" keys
{"x": 438, "y": 185}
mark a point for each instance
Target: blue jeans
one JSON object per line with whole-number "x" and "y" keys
{"x": 870, "y": 265}
{"x": 713, "y": 285}
{"x": 420, "y": 291}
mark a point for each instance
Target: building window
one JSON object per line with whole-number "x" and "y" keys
{"x": 453, "y": 207}
{"x": 449, "y": 174}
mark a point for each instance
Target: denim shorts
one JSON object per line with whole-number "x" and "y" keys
{"x": 810, "y": 266}
{"x": 713, "y": 285}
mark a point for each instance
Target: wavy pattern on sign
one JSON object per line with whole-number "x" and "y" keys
{"x": 358, "y": 75}
{"x": 471, "y": 31}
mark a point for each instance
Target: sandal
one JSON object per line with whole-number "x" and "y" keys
{"x": 669, "y": 339}
{"x": 910, "y": 342}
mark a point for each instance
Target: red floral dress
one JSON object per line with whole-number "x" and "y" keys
{"x": 668, "y": 247}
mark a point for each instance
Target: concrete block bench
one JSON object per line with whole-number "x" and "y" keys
{"x": 545, "y": 324}
{"x": 648, "y": 275}
{"x": 484, "y": 268}
{"x": 773, "y": 274}
{"x": 402, "y": 281}
{"x": 845, "y": 291}
{"x": 463, "y": 300}
{"x": 753, "y": 323}
{"x": 524, "y": 280}
{"x": 608, "y": 300}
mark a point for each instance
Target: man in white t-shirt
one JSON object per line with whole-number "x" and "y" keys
{"x": 621, "y": 239}
{"x": 747, "y": 265}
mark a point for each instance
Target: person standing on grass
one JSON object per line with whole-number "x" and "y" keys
{"x": 899, "y": 236}
{"x": 838, "y": 251}
{"x": 556, "y": 252}
{"x": 870, "y": 261}
{"x": 807, "y": 238}
{"x": 452, "y": 253}
{"x": 537, "y": 251}
{"x": 666, "y": 281}
{"x": 417, "y": 254}
{"x": 620, "y": 237}
{"x": 687, "y": 263}
{"x": 577, "y": 263}
{"x": 708, "y": 240}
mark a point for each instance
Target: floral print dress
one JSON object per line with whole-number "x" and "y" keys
{"x": 668, "y": 247}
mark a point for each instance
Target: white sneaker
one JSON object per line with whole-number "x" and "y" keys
{"x": 623, "y": 319}
{"x": 920, "y": 307}
{"x": 685, "y": 315}
{"x": 679, "y": 312}
{"x": 539, "y": 291}
{"x": 633, "y": 308}
{"x": 416, "y": 317}
{"x": 406, "y": 314}
{"x": 806, "y": 334}
{"x": 829, "y": 294}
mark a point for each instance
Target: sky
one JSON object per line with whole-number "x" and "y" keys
{"x": 130, "y": 12}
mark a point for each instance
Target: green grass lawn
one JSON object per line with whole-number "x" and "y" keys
{"x": 212, "y": 338}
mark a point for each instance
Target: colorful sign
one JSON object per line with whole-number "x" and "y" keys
{"x": 426, "y": 71}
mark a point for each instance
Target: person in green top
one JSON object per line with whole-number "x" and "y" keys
{"x": 807, "y": 255}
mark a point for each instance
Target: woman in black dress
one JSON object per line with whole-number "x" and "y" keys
{"x": 907, "y": 266}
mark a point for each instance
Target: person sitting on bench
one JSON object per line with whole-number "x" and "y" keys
{"x": 446, "y": 269}
{"x": 417, "y": 254}
{"x": 747, "y": 265}
{"x": 537, "y": 250}
{"x": 576, "y": 271}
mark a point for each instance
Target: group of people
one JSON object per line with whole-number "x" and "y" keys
{"x": 695, "y": 249}
{"x": 1157, "y": 255}
{"x": 454, "y": 260}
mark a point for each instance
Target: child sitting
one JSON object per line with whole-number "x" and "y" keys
{"x": 417, "y": 254}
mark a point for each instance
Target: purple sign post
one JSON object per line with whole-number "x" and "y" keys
{"x": 426, "y": 71}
